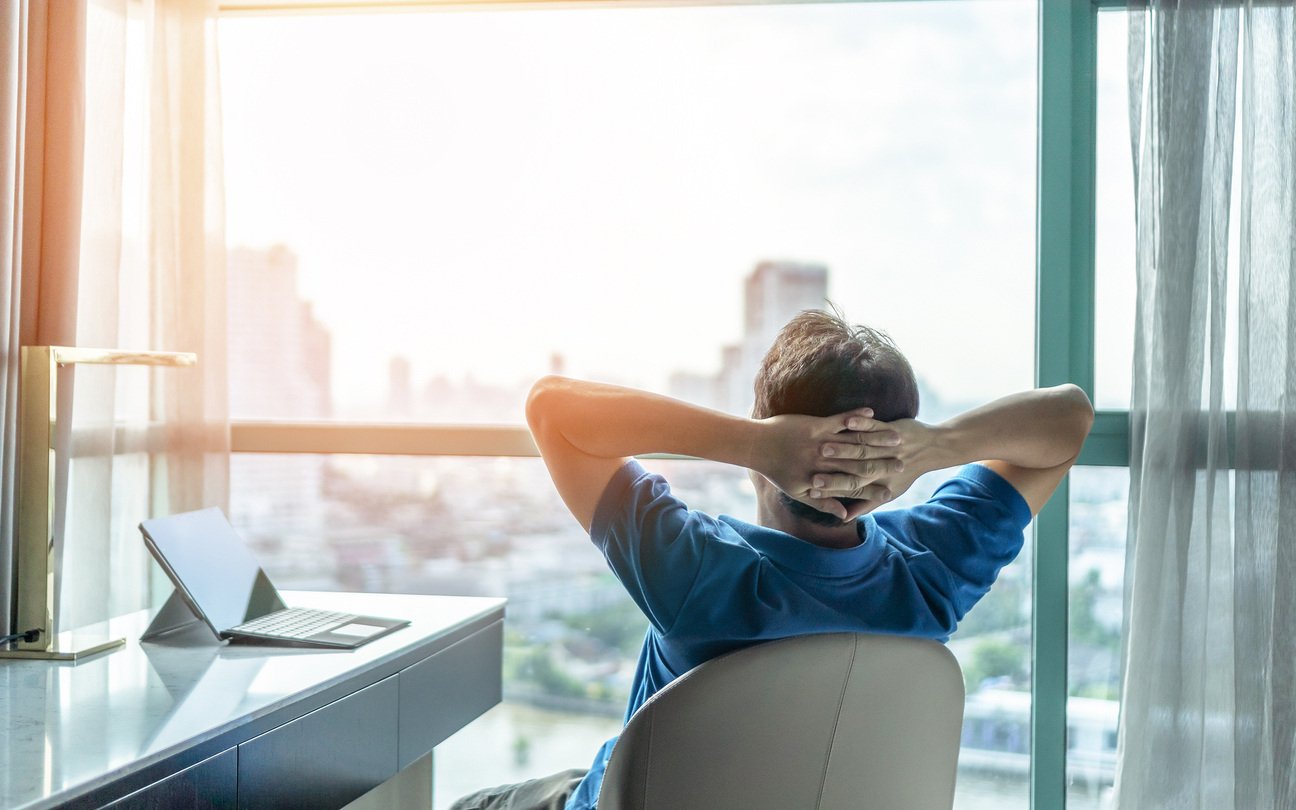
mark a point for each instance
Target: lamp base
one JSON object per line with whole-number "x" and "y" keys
{"x": 71, "y": 645}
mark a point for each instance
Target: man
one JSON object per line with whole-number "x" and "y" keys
{"x": 832, "y": 436}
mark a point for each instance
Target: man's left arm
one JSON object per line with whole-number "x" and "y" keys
{"x": 586, "y": 431}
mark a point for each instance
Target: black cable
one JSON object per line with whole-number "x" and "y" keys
{"x": 28, "y": 637}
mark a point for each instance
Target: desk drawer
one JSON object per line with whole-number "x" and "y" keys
{"x": 326, "y": 758}
{"x": 207, "y": 785}
{"x": 448, "y": 691}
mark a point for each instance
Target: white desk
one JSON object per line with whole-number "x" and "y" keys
{"x": 185, "y": 719}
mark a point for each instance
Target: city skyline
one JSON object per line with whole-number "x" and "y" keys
{"x": 483, "y": 221}
{"x": 603, "y": 203}
{"x": 266, "y": 308}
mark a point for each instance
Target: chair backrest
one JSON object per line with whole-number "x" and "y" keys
{"x": 824, "y": 722}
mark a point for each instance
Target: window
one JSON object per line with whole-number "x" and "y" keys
{"x": 455, "y": 225}
{"x": 398, "y": 216}
{"x": 1115, "y": 275}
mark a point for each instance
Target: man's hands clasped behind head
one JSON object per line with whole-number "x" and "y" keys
{"x": 816, "y": 460}
{"x": 907, "y": 458}
{"x": 1030, "y": 439}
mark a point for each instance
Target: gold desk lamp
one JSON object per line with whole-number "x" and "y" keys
{"x": 34, "y": 557}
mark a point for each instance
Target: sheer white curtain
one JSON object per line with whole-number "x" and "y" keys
{"x": 1207, "y": 714}
{"x": 1265, "y": 560}
{"x": 119, "y": 244}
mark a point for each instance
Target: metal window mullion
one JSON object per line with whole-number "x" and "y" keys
{"x": 389, "y": 439}
{"x": 1064, "y": 345}
{"x": 1108, "y": 442}
{"x": 381, "y": 439}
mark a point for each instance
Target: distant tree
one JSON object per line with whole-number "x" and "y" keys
{"x": 1106, "y": 690}
{"x": 521, "y": 750}
{"x": 995, "y": 658}
{"x": 1082, "y": 615}
{"x": 619, "y": 627}
{"x": 539, "y": 668}
{"x": 1004, "y": 608}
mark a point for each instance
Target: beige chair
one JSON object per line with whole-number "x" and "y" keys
{"x": 826, "y": 722}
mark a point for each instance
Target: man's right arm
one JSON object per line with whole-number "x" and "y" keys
{"x": 1031, "y": 439}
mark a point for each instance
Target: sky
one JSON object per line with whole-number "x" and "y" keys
{"x": 478, "y": 191}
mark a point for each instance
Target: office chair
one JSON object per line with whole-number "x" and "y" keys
{"x": 827, "y": 722}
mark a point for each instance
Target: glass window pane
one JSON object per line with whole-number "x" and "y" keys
{"x": 1099, "y": 504}
{"x": 1114, "y": 244}
{"x": 482, "y": 198}
{"x": 993, "y": 647}
{"x": 1114, "y": 277}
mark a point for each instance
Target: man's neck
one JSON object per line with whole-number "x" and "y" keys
{"x": 776, "y": 516}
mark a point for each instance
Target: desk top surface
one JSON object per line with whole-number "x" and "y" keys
{"x": 70, "y": 728}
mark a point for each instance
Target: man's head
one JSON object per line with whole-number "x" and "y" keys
{"x": 820, "y": 365}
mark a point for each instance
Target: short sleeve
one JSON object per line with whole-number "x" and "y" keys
{"x": 973, "y": 526}
{"x": 652, "y": 542}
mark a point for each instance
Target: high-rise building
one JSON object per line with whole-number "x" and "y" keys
{"x": 400, "y": 388}
{"x": 773, "y": 293}
{"x": 279, "y": 361}
{"x": 279, "y": 353}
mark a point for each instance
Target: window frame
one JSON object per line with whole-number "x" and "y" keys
{"x": 1064, "y": 351}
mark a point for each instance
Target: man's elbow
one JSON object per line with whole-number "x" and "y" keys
{"x": 541, "y": 401}
{"x": 1077, "y": 414}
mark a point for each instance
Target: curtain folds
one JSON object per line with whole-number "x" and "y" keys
{"x": 188, "y": 231}
{"x": 118, "y": 243}
{"x": 1207, "y": 719}
{"x": 42, "y": 140}
{"x": 11, "y": 86}
{"x": 1265, "y": 558}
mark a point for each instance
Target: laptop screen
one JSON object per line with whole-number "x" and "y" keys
{"x": 202, "y": 551}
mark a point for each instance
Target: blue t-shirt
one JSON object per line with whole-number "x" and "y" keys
{"x": 710, "y": 585}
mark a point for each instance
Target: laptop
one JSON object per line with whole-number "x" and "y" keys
{"x": 220, "y": 580}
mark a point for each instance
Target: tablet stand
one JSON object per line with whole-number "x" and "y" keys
{"x": 174, "y": 615}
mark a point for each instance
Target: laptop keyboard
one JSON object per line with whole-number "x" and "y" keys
{"x": 294, "y": 623}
